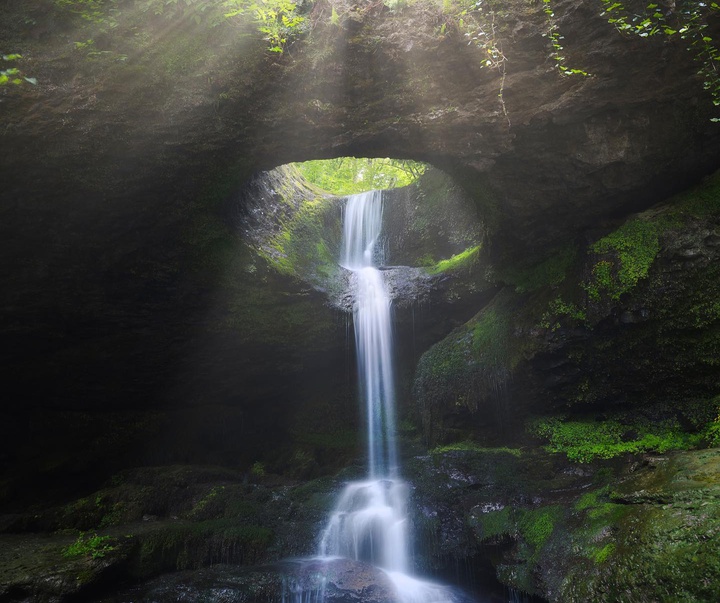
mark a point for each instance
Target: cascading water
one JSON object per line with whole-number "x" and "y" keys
{"x": 373, "y": 329}
{"x": 369, "y": 522}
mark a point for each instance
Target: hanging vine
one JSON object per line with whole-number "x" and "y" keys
{"x": 553, "y": 34}
{"x": 478, "y": 23}
{"x": 688, "y": 22}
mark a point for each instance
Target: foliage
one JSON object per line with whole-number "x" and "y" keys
{"x": 712, "y": 429}
{"x": 477, "y": 19}
{"x": 277, "y": 19}
{"x": 301, "y": 248}
{"x": 94, "y": 11}
{"x": 459, "y": 260}
{"x": 351, "y": 175}
{"x": 585, "y": 440}
{"x": 191, "y": 545}
{"x": 688, "y": 21}
{"x": 257, "y": 469}
{"x": 553, "y": 34}
{"x": 92, "y": 546}
{"x": 13, "y": 75}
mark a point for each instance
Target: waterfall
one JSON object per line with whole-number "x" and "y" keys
{"x": 373, "y": 329}
{"x": 369, "y": 522}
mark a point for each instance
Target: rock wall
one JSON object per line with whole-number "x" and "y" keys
{"x": 142, "y": 324}
{"x": 605, "y": 323}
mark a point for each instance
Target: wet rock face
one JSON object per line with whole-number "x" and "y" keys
{"x": 380, "y": 82}
{"x": 140, "y": 326}
{"x": 627, "y": 318}
{"x": 636, "y": 528}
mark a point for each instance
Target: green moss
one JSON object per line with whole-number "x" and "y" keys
{"x": 469, "y": 367}
{"x": 490, "y": 339}
{"x": 547, "y": 273}
{"x": 664, "y": 546}
{"x": 456, "y": 262}
{"x": 588, "y": 500}
{"x": 587, "y": 439}
{"x": 114, "y": 515}
{"x": 632, "y": 248}
{"x": 192, "y": 545}
{"x": 202, "y": 507}
{"x": 300, "y": 249}
{"x": 603, "y": 554}
{"x": 494, "y": 525}
{"x": 559, "y": 308}
{"x": 711, "y": 432}
{"x": 537, "y": 525}
{"x": 467, "y": 446}
{"x": 701, "y": 201}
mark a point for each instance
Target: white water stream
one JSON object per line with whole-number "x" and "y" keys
{"x": 369, "y": 522}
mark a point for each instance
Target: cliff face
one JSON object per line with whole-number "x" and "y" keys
{"x": 154, "y": 310}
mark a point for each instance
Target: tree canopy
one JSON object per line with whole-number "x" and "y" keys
{"x": 351, "y": 175}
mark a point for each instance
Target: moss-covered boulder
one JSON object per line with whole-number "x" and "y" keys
{"x": 635, "y": 529}
{"x": 145, "y": 522}
{"x": 627, "y": 318}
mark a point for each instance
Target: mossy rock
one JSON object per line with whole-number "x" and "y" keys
{"x": 664, "y": 543}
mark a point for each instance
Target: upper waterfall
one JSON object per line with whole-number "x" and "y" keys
{"x": 373, "y": 329}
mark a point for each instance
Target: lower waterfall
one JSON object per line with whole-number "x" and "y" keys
{"x": 369, "y": 522}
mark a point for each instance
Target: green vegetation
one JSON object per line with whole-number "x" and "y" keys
{"x": 549, "y": 272}
{"x": 585, "y": 440}
{"x": 93, "y": 546}
{"x": 13, "y": 75}
{"x": 701, "y": 201}
{"x": 351, "y": 175}
{"x": 559, "y": 308}
{"x": 279, "y": 21}
{"x": 456, "y": 262}
{"x": 537, "y": 525}
{"x": 192, "y": 545}
{"x": 480, "y": 23}
{"x": 690, "y": 23}
{"x": 205, "y": 504}
{"x": 469, "y": 446}
{"x": 664, "y": 547}
{"x": 632, "y": 249}
{"x": 490, "y": 339}
{"x": 495, "y": 524}
{"x": 555, "y": 37}
{"x": 301, "y": 247}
